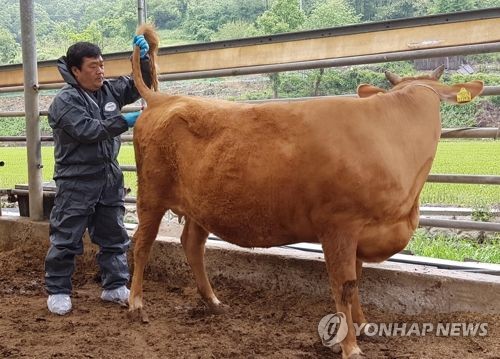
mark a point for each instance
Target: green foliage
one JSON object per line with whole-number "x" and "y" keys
{"x": 376, "y": 10}
{"x": 283, "y": 16}
{"x": 331, "y": 13}
{"x": 495, "y": 100}
{"x": 173, "y": 37}
{"x": 10, "y": 52}
{"x": 16, "y": 126}
{"x": 337, "y": 82}
{"x": 10, "y": 18}
{"x": 202, "y": 19}
{"x": 446, "y": 6}
{"x": 453, "y": 248}
{"x": 294, "y": 84}
{"x": 247, "y": 11}
{"x": 482, "y": 214}
{"x": 400, "y": 9}
{"x": 167, "y": 14}
{"x": 205, "y": 17}
{"x": 489, "y": 3}
{"x": 92, "y": 33}
{"x": 453, "y": 115}
{"x": 492, "y": 79}
{"x": 327, "y": 82}
{"x": 13, "y": 126}
{"x": 235, "y": 30}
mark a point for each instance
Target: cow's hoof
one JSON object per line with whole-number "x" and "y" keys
{"x": 217, "y": 309}
{"x": 357, "y": 354}
{"x": 336, "y": 348}
{"x": 138, "y": 315}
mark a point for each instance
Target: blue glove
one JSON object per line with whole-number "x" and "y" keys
{"x": 141, "y": 42}
{"x": 131, "y": 117}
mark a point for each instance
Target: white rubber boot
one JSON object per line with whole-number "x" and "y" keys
{"x": 59, "y": 303}
{"x": 118, "y": 295}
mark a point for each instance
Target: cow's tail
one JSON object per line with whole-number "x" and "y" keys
{"x": 153, "y": 40}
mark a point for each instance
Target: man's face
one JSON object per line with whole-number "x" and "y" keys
{"x": 91, "y": 75}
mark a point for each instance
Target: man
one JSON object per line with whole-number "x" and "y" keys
{"x": 86, "y": 121}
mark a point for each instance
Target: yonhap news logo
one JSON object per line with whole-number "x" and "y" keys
{"x": 332, "y": 329}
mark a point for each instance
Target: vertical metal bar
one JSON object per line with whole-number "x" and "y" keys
{"x": 33, "y": 143}
{"x": 141, "y": 19}
{"x": 141, "y": 11}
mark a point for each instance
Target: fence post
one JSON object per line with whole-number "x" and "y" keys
{"x": 141, "y": 11}
{"x": 33, "y": 142}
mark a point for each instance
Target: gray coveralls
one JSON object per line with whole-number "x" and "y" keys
{"x": 89, "y": 182}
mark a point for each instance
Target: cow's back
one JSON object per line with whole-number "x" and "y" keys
{"x": 268, "y": 171}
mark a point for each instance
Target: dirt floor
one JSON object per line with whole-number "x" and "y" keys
{"x": 259, "y": 323}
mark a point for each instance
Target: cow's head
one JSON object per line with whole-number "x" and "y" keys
{"x": 458, "y": 93}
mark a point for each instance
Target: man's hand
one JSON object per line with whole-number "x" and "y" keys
{"x": 143, "y": 45}
{"x": 131, "y": 117}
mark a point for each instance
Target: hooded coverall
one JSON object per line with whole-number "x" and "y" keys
{"x": 89, "y": 182}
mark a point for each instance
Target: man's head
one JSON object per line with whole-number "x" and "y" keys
{"x": 85, "y": 62}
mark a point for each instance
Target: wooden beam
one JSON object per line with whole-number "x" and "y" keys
{"x": 292, "y": 48}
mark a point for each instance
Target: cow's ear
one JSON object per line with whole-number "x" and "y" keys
{"x": 461, "y": 93}
{"x": 366, "y": 90}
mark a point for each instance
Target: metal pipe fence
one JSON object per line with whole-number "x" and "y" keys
{"x": 270, "y": 68}
{"x": 31, "y": 108}
{"x": 466, "y": 132}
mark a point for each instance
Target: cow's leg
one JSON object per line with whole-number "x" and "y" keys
{"x": 193, "y": 240}
{"x": 340, "y": 258}
{"x": 149, "y": 223}
{"x": 357, "y": 313}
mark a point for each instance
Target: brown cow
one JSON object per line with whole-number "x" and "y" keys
{"x": 343, "y": 172}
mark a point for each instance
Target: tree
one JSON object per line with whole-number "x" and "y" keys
{"x": 203, "y": 18}
{"x": 331, "y": 13}
{"x": 400, "y": 9}
{"x": 284, "y": 16}
{"x": 44, "y": 24}
{"x": 167, "y": 14}
{"x": 10, "y": 48}
{"x": 490, "y": 3}
{"x": 235, "y": 30}
{"x": 367, "y": 8}
{"x": 10, "y": 18}
{"x": 92, "y": 33}
{"x": 447, "y": 6}
{"x": 248, "y": 10}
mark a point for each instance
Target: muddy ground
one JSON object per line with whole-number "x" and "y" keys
{"x": 259, "y": 324}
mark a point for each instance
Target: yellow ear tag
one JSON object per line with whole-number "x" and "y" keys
{"x": 463, "y": 95}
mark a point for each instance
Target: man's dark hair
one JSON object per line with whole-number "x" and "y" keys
{"x": 76, "y": 53}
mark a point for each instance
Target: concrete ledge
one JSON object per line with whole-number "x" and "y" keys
{"x": 398, "y": 288}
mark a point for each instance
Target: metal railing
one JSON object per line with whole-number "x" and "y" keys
{"x": 301, "y": 65}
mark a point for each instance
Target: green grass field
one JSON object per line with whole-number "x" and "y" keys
{"x": 454, "y": 248}
{"x": 453, "y": 157}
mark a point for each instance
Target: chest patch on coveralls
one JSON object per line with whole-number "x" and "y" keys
{"x": 110, "y": 106}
